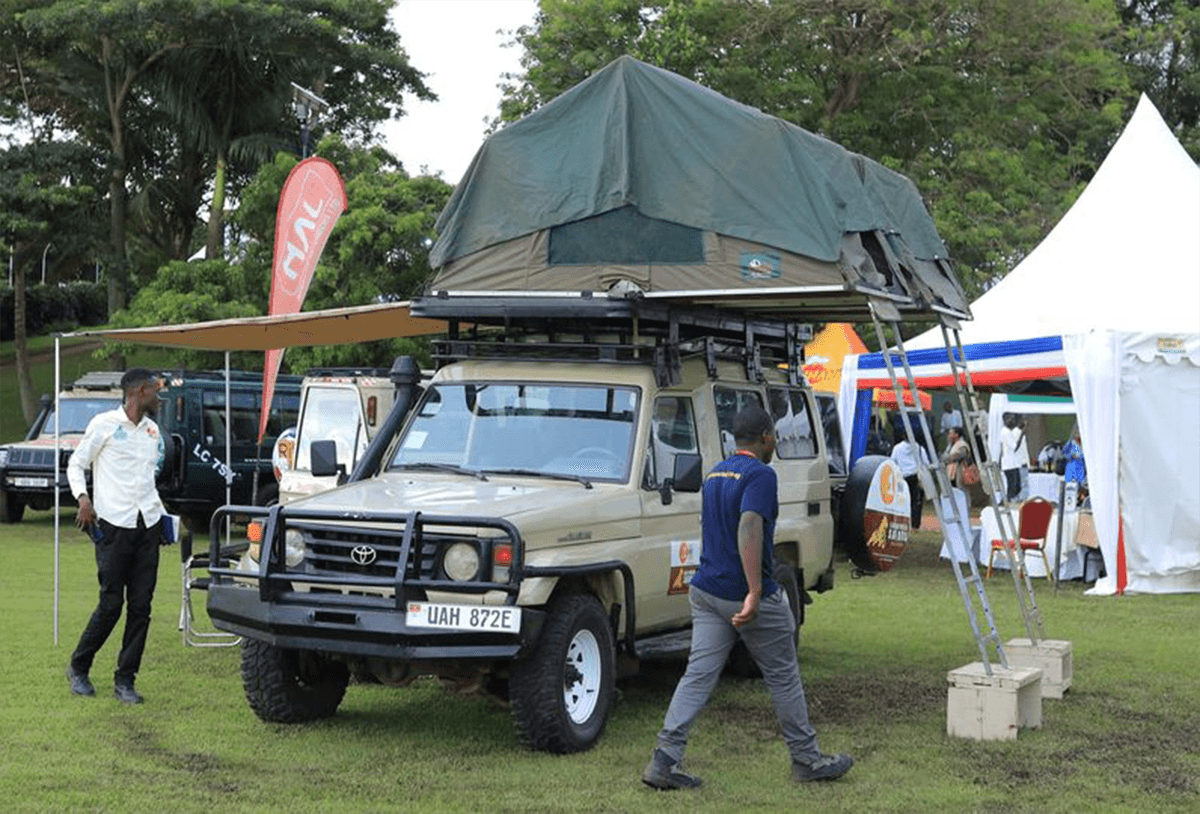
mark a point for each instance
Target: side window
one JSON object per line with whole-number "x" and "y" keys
{"x": 729, "y": 402}
{"x": 672, "y": 431}
{"x": 833, "y": 434}
{"x": 794, "y": 436}
{"x": 243, "y": 417}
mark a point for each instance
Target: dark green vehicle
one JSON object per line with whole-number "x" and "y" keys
{"x": 194, "y": 417}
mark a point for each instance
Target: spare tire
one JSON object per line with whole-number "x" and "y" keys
{"x": 873, "y": 525}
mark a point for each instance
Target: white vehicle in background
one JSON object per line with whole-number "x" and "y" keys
{"x": 343, "y": 405}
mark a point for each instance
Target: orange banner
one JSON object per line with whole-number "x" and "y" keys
{"x": 312, "y": 200}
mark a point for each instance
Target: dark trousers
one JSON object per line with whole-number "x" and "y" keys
{"x": 1012, "y": 479}
{"x": 127, "y": 568}
{"x": 917, "y": 495}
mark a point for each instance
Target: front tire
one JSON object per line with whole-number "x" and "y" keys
{"x": 562, "y": 693}
{"x": 291, "y": 686}
{"x": 11, "y": 509}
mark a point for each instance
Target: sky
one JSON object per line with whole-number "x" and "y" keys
{"x": 454, "y": 42}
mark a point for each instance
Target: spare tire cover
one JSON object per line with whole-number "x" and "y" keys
{"x": 876, "y": 508}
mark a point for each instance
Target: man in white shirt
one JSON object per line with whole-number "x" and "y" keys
{"x": 1014, "y": 455}
{"x": 910, "y": 459}
{"x": 124, "y": 449}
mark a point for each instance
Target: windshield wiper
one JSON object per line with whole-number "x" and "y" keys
{"x": 537, "y": 474}
{"x": 461, "y": 470}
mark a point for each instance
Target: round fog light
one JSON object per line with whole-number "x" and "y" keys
{"x": 461, "y": 562}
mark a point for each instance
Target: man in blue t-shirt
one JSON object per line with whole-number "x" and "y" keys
{"x": 732, "y": 595}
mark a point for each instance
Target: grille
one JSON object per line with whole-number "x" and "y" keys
{"x": 331, "y": 551}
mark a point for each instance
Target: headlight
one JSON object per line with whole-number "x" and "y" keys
{"x": 293, "y": 548}
{"x": 3, "y": 457}
{"x": 461, "y": 562}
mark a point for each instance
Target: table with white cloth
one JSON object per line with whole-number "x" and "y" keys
{"x": 1071, "y": 558}
{"x": 1044, "y": 485}
{"x": 952, "y": 534}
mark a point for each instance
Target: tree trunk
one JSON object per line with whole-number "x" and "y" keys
{"x": 215, "y": 246}
{"x": 24, "y": 381}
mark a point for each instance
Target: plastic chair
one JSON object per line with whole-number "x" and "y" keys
{"x": 190, "y": 564}
{"x": 1034, "y": 525}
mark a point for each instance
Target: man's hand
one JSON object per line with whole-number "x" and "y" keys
{"x": 748, "y": 611}
{"x": 85, "y": 518}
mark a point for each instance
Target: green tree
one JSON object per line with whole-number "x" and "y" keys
{"x": 377, "y": 252}
{"x": 174, "y": 90}
{"x": 1000, "y": 111}
{"x": 1162, "y": 51}
{"x": 44, "y": 198}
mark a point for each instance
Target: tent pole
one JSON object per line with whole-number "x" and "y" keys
{"x": 57, "y": 466}
{"x": 228, "y": 447}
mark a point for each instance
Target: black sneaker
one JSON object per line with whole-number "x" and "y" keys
{"x": 126, "y": 694}
{"x": 663, "y": 773}
{"x": 80, "y": 683}
{"x": 825, "y": 767}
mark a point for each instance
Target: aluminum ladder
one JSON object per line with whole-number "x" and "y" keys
{"x": 936, "y": 484}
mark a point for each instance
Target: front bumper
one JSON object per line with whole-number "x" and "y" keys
{"x": 361, "y": 626}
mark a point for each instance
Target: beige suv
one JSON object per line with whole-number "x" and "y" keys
{"x": 531, "y": 527}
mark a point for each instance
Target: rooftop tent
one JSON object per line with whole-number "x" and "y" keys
{"x": 639, "y": 175}
{"x": 1108, "y": 301}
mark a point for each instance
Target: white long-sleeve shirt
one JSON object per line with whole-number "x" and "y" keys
{"x": 1014, "y": 453}
{"x": 124, "y": 459}
{"x": 903, "y": 455}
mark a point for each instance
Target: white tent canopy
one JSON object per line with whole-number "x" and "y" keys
{"x": 1111, "y": 297}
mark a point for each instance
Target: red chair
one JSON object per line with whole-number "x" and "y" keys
{"x": 1035, "y": 517}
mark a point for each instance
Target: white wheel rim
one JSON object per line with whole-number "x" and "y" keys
{"x": 580, "y": 697}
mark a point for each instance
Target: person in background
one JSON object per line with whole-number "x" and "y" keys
{"x": 1076, "y": 467}
{"x": 910, "y": 459}
{"x": 955, "y": 456}
{"x": 1014, "y": 454}
{"x": 125, "y": 450}
{"x": 951, "y": 419}
{"x": 733, "y": 596}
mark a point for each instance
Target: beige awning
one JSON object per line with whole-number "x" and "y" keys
{"x": 334, "y": 326}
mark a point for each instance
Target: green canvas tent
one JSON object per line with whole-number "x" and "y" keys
{"x": 640, "y": 176}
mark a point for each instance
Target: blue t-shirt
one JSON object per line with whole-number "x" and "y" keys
{"x": 741, "y": 483}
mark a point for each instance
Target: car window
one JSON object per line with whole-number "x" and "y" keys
{"x": 729, "y": 402}
{"x": 673, "y": 431}
{"x": 827, "y": 404}
{"x": 76, "y": 413}
{"x": 794, "y": 435}
{"x": 331, "y": 414}
{"x": 583, "y": 431}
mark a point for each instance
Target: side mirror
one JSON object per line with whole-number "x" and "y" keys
{"x": 687, "y": 477}
{"x": 324, "y": 460}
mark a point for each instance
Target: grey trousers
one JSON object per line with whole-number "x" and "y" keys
{"x": 769, "y": 638}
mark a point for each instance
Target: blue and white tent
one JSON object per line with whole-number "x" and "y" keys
{"x": 1110, "y": 300}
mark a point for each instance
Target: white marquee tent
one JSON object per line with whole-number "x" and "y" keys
{"x": 1111, "y": 299}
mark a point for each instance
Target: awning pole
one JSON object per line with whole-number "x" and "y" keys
{"x": 57, "y": 466}
{"x": 228, "y": 448}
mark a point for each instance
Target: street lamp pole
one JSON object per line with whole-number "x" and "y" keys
{"x": 48, "y": 245}
{"x": 307, "y": 106}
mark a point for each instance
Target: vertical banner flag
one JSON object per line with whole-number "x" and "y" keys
{"x": 312, "y": 199}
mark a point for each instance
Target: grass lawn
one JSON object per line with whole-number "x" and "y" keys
{"x": 875, "y": 656}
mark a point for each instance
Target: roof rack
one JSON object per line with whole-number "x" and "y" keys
{"x": 620, "y": 330}
{"x": 99, "y": 380}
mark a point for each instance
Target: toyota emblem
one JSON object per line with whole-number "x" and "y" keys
{"x": 363, "y": 555}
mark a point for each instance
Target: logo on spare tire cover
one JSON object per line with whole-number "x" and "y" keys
{"x": 363, "y": 555}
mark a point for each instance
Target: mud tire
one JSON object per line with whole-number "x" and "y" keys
{"x": 291, "y": 686}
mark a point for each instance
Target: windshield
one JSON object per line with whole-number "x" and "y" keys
{"x": 553, "y": 430}
{"x": 331, "y": 414}
{"x": 76, "y": 413}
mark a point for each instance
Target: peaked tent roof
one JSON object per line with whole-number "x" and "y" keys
{"x": 1126, "y": 256}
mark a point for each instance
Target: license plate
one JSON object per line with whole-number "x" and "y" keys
{"x": 36, "y": 483}
{"x": 486, "y": 618}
